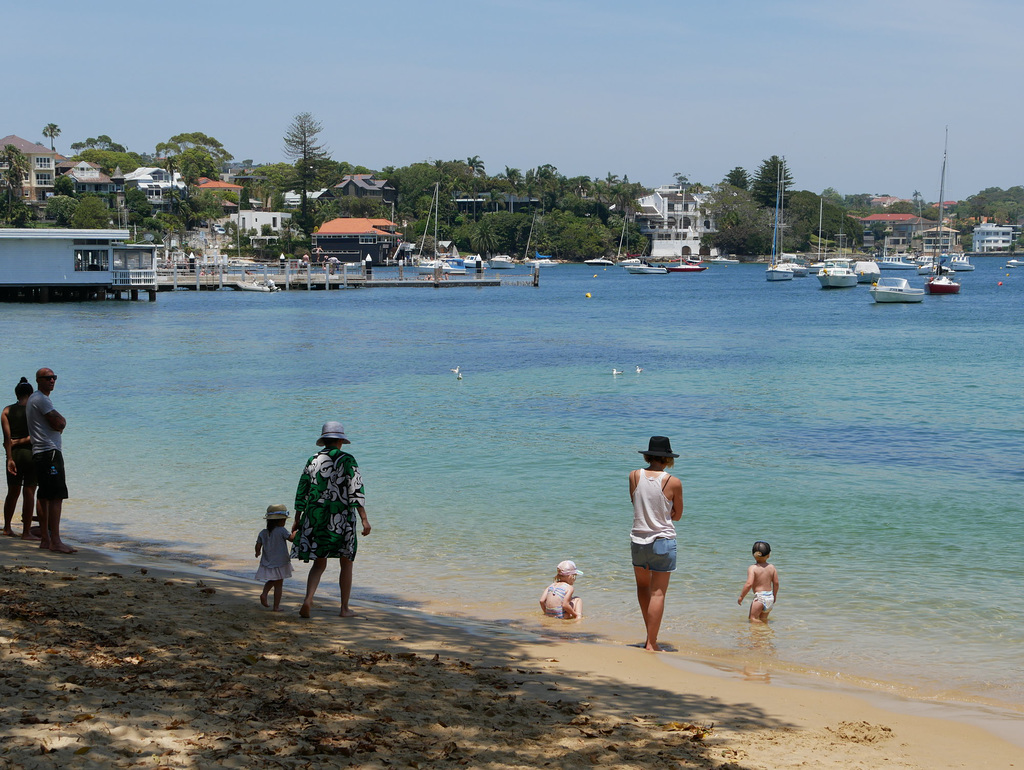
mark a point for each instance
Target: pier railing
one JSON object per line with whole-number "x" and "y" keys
{"x": 135, "y": 279}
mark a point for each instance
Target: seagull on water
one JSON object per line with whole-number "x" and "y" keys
{"x": 616, "y": 371}
{"x": 455, "y": 370}
{"x": 639, "y": 368}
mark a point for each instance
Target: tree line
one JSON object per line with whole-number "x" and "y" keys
{"x": 568, "y": 217}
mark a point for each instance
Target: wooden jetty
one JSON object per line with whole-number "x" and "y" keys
{"x": 227, "y": 277}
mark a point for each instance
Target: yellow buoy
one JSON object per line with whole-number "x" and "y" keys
{"x": 595, "y": 275}
{"x": 588, "y": 295}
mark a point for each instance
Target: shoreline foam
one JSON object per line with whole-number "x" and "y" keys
{"x": 91, "y": 643}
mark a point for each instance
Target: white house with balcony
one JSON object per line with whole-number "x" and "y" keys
{"x": 37, "y": 185}
{"x": 675, "y": 221}
{"x": 155, "y": 183}
{"x": 989, "y": 238}
{"x": 43, "y": 265}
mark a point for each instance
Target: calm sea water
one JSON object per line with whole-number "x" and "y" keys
{"x": 878, "y": 449}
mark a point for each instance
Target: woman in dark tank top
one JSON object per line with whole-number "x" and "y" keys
{"x": 21, "y": 472}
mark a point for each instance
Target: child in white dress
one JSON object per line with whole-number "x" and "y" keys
{"x": 272, "y": 551}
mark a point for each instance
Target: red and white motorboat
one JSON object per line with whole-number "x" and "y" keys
{"x": 689, "y": 266}
{"x": 941, "y": 284}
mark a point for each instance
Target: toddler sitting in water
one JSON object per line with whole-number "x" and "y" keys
{"x": 557, "y": 599}
{"x": 763, "y": 580}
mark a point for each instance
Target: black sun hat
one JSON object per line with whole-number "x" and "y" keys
{"x": 659, "y": 446}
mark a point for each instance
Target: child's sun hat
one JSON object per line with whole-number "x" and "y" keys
{"x": 277, "y": 512}
{"x": 568, "y": 568}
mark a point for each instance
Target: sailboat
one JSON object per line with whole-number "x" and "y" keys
{"x": 941, "y": 283}
{"x": 778, "y": 271}
{"x": 430, "y": 266}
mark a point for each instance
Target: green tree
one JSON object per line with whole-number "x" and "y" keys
{"x": 484, "y": 236}
{"x": 91, "y": 214}
{"x": 742, "y": 226}
{"x": 194, "y": 163}
{"x": 109, "y": 160}
{"x": 101, "y": 142}
{"x": 738, "y": 177}
{"x": 61, "y": 209}
{"x": 16, "y": 171}
{"x": 64, "y": 185}
{"x": 302, "y": 146}
{"x": 139, "y": 208}
{"x": 51, "y": 131}
{"x": 770, "y": 174}
{"x": 179, "y": 144}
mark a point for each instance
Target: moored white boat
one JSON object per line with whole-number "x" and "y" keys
{"x": 645, "y": 268}
{"x": 867, "y": 271}
{"x": 630, "y": 262}
{"x": 896, "y": 262}
{"x": 779, "y": 272}
{"x": 723, "y": 261}
{"x": 799, "y": 268}
{"x": 260, "y": 285}
{"x": 599, "y": 262}
{"x": 837, "y": 274}
{"x": 960, "y": 263}
{"x": 501, "y": 262}
{"x": 893, "y": 289}
{"x": 1015, "y": 263}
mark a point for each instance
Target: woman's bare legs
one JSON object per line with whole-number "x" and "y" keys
{"x": 312, "y": 583}
{"x": 650, "y": 593}
{"x": 345, "y": 583}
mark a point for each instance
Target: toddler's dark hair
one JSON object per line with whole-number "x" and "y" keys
{"x": 762, "y": 548}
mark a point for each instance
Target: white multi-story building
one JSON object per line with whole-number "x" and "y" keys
{"x": 154, "y": 182}
{"x": 990, "y": 237}
{"x": 675, "y": 221}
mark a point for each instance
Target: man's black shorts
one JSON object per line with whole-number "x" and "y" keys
{"x": 50, "y": 474}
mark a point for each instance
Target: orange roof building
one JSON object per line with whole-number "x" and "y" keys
{"x": 353, "y": 239}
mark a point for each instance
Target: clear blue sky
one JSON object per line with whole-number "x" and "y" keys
{"x": 855, "y": 95}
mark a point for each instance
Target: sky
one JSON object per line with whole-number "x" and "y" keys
{"x": 856, "y": 96}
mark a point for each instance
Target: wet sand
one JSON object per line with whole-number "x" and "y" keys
{"x": 155, "y": 664}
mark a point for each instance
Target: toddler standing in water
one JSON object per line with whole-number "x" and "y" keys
{"x": 272, "y": 550}
{"x": 557, "y": 599}
{"x": 763, "y": 580}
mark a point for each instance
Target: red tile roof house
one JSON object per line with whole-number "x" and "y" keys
{"x": 902, "y": 228}
{"x": 353, "y": 239}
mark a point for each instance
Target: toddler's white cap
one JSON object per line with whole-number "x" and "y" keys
{"x": 568, "y": 568}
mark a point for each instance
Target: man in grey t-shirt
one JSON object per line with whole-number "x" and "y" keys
{"x": 45, "y": 427}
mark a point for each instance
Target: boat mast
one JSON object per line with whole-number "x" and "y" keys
{"x": 775, "y": 231}
{"x": 942, "y": 195}
{"x": 530, "y": 236}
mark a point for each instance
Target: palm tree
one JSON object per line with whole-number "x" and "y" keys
{"x": 484, "y": 237}
{"x": 51, "y": 131}
{"x": 16, "y": 171}
{"x": 475, "y": 165}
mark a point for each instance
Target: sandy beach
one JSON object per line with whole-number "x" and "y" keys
{"x": 159, "y": 665}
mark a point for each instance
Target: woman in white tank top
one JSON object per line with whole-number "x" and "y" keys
{"x": 657, "y": 504}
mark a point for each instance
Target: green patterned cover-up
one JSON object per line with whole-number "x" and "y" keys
{"x": 326, "y": 501}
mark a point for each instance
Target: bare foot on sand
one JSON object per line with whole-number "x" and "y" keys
{"x": 62, "y": 548}
{"x": 31, "y": 537}
{"x": 347, "y": 614}
{"x": 9, "y": 532}
{"x": 263, "y": 600}
{"x": 304, "y": 611}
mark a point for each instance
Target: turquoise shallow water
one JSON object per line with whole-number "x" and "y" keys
{"x": 878, "y": 448}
